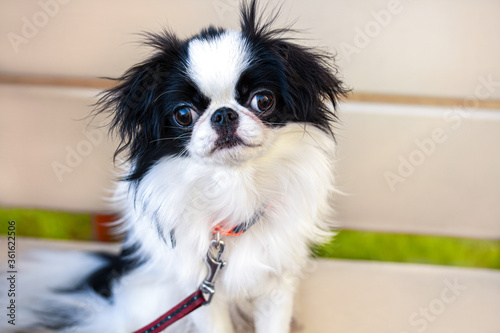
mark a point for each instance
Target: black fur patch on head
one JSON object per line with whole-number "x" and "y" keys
{"x": 143, "y": 103}
{"x": 303, "y": 78}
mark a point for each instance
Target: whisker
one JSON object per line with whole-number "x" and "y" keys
{"x": 182, "y": 136}
{"x": 184, "y": 152}
{"x": 162, "y": 139}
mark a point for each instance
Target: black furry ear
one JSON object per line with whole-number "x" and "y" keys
{"x": 131, "y": 102}
{"x": 313, "y": 88}
{"x": 311, "y": 77}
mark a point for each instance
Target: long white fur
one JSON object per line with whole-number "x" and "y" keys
{"x": 293, "y": 179}
{"x": 289, "y": 173}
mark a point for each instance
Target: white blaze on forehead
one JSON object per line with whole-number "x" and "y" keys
{"x": 215, "y": 64}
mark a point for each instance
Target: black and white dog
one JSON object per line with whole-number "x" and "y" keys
{"x": 228, "y": 131}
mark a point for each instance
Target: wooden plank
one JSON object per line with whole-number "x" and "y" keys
{"x": 360, "y": 296}
{"x": 81, "y": 38}
{"x": 56, "y": 157}
{"x": 399, "y": 176}
{"x": 57, "y": 81}
{"x": 428, "y": 200}
{"x": 101, "y": 83}
{"x": 424, "y": 100}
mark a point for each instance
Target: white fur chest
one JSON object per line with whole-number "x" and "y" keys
{"x": 174, "y": 208}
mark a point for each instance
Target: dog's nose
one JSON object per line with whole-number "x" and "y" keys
{"x": 224, "y": 117}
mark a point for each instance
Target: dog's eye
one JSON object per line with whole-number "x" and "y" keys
{"x": 263, "y": 101}
{"x": 185, "y": 116}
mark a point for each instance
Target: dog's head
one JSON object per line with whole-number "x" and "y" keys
{"x": 221, "y": 96}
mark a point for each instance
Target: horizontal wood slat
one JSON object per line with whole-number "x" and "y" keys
{"x": 442, "y": 195}
{"x": 425, "y": 100}
{"x": 101, "y": 83}
{"x": 349, "y": 296}
{"x": 57, "y": 81}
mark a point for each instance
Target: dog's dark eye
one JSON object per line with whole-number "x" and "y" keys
{"x": 263, "y": 101}
{"x": 185, "y": 116}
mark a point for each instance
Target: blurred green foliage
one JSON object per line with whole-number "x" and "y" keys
{"x": 47, "y": 224}
{"x": 347, "y": 244}
{"x": 436, "y": 250}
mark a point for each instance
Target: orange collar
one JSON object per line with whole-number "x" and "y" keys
{"x": 240, "y": 228}
{"x": 226, "y": 232}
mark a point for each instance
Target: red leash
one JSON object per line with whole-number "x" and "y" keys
{"x": 215, "y": 264}
{"x": 191, "y": 303}
{"x": 196, "y": 299}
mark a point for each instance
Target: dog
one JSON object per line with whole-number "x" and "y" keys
{"x": 228, "y": 140}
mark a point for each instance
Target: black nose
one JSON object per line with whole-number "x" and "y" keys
{"x": 224, "y": 117}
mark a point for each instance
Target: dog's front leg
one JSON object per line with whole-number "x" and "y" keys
{"x": 214, "y": 317}
{"x": 273, "y": 310}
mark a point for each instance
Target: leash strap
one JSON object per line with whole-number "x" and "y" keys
{"x": 215, "y": 264}
{"x": 197, "y": 299}
{"x": 188, "y": 305}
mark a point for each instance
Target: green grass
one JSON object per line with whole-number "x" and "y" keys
{"x": 47, "y": 224}
{"x": 412, "y": 249}
{"x": 347, "y": 244}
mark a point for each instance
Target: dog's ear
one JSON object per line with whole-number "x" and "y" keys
{"x": 312, "y": 87}
{"x": 131, "y": 103}
{"x": 310, "y": 77}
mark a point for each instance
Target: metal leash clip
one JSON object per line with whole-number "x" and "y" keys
{"x": 214, "y": 264}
